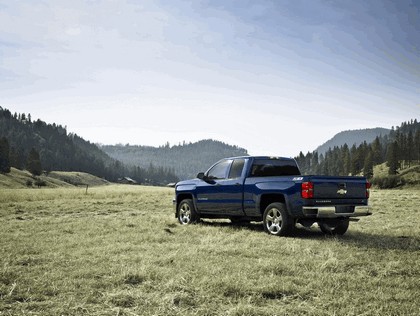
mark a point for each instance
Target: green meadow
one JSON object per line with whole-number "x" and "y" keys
{"x": 118, "y": 250}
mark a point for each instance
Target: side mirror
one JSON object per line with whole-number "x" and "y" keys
{"x": 202, "y": 176}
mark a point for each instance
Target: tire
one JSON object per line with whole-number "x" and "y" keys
{"x": 186, "y": 213}
{"x": 338, "y": 228}
{"x": 276, "y": 220}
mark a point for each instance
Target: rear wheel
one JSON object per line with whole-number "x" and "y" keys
{"x": 337, "y": 228}
{"x": 276, "y": 220}
{"x": 186, "y": 212}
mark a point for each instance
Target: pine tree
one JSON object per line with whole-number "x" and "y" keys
{"x": 15, "y": 160}
{"x": 377, "y": 151}
{"x": 301, "y": 162}
{"x": 354, "y": 161}
{"x": 409, "y": 149}
{"x": 314, "y": 163}
{"x": 392, "y": 158}
{"x": 33, "y": 164}
{"x": 368, "y": 166}
{"x": 417, "y": 145}
{"x": 4, "y": 155}
{"x": 345, "y": 156}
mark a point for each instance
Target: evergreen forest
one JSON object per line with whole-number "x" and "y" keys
{"x": 399, "y": 149}
{"x": 40, "y": 147}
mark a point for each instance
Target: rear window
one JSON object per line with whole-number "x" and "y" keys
{"x": 274, "y": 168}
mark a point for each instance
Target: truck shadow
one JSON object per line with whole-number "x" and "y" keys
{"x": 364, "y": 239}
{"x": 355, "y": 238}
{"x": 380, "y": 241}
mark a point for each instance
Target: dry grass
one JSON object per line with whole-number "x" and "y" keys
{"x": 18, "y": 179}
{"x": 119, "y": 251}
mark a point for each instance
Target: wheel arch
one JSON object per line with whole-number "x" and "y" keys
{"x": 183, "y": 196}
{"x": 267, "y": 199}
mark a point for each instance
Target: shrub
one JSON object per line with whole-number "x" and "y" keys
{"x": 40, "y": 183}
{"x": 29, "y": 183}
{"x": 388, "y": 182}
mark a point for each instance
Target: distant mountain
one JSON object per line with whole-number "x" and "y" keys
{"x": 185, "y": 160}
{"x": 353, "y": 137}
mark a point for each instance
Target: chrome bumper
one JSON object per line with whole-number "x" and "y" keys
{"x": 334, "y": 212}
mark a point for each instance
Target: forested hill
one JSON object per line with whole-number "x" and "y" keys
{"x": 399, "y": 149}
{"x": 57, "y": 149}
{"x": 353, "y": 137}
{"x": 37, "y": 146}
{"x": 185, "y": 160}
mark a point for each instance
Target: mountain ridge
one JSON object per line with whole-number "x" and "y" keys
{"x": 185, "y": 160}
{"x": 352, "y": 137}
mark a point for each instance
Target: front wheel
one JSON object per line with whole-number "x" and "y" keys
{"x": 186, "y": 212}
{"x": 338, "y": 228}
{"x": 276, "y": 220}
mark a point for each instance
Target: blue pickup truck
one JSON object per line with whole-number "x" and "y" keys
{"x": 273, "y": 191}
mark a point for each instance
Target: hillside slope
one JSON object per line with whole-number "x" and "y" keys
{"x": 18, "y": 179}
{"x": 58, "y": 150}
{"x": 353, "y": 137}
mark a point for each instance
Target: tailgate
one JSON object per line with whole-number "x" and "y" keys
{"x": 339, "y": 187}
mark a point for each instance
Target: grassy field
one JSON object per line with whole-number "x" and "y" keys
{"x": 118, "y": 250}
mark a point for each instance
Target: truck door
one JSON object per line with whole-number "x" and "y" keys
{"x": 222, "y": 193}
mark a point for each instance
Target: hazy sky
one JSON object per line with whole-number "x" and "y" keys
{"x": 275, "y": 77}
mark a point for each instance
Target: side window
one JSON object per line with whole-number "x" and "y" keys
{"x": 220, "y": 170}
{"x": 236, "y": 170}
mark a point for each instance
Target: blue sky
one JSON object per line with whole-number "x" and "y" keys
{"x": 275, "y": 77}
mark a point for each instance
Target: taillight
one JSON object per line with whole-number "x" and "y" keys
{"x": 368, "y": 185}
{"x": 307, "y": 190}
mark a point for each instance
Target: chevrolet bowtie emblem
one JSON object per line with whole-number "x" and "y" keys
{"x": 342, "y": 191}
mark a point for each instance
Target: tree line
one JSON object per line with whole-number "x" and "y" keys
{"x": 399, "y": 149}
{"x": 41, "y": 147}
{"x": 186, "y": 159}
